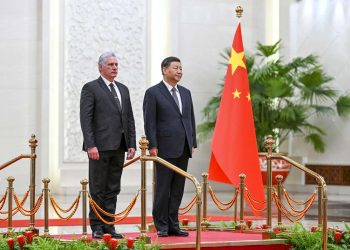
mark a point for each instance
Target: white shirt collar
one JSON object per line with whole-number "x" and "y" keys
{"x": 107, "y": 82}
{"x": 170, "y": 87}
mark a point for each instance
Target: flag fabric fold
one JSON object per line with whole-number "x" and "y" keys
{"x": 234, "y": 146}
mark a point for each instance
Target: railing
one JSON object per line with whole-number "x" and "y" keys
{"x": 322, "y": 188}
{"x": 33, "y": 143}
{"x": 201, "y": 193}
{"x": 46, "y": 197}
{"x": 274, "y": 194}
{"x": 144, "y": 146}
{"x": 194, "y": 181}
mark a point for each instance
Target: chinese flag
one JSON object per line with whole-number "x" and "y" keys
{"x": 234, "y": 147}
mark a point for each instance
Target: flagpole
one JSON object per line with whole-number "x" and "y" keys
{"x": 235, "y": 123}
{"x": 239, "y": 13}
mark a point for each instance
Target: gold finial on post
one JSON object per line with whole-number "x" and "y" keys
{"x": 33, "y": 142}
{"x": 239, "y": 11}
{"x": 143, "y": 144}
{"x": 269, "y": 143}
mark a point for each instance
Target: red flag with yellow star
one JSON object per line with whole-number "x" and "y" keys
{"x": 234, "y": 147}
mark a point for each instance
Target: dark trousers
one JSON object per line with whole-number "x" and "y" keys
{"x": 168, "y": 193}
{"x": 104, "y": 184}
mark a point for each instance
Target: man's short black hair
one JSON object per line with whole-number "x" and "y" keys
{"x": 167, "y": 61}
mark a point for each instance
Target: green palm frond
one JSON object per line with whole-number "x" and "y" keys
{"x": 301, "y": 63}
{"x": 225, "y": 55}
{"x": 314, "y": 88}
{"x": 277, "y": 88}
{"x": 211, "y": 109}
{"x": 205, "y": 130}
{"x": 317, "y": 141}
{"x": 250, "y": 61}
{"x": 343, "y": 106}
{"x": 268, "y": 50}
{"x": 322, "y": 110}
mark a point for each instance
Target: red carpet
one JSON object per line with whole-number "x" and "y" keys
{"x": 128, "y": 220}
{"x": 210, "y": 240}
{"x": 70, "y": 222}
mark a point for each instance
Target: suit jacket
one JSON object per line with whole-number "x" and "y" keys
{"x": 166, "y": 128}
{"x": 101, "y": 121}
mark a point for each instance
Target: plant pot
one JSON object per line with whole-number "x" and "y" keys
{"x": 279, "y": 167}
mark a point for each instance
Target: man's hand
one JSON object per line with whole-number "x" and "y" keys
{"x": 153, "y": 151}
{"x": 131, "y": 153}
{"x": 192, "y": 150}
{"x": 93, "y": 153}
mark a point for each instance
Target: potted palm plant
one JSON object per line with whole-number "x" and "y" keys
{"x": 284, "y": 97}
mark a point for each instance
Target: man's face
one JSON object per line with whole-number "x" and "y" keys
{"x": 109, "y": 69}
{"x": 173, "y": 73}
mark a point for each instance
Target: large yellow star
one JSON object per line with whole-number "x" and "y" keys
{"x": 236, "y": 94}
{"x": 248, "y": 97}
{"x": 236, "y": 60}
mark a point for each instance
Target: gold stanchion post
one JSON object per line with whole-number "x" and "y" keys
{"x": 205, "y": 222}
{"x": 279, "y": 179}
{"x": 320, "y": 210}
{"x": 33, "y": 143}
{"x": 324, "y": 202}
{"x": 235, "y": 208}
{"x": 241, "y": 189}
{"x": 198, "y": 219}
{"x": 46, "y": 182}
{"x": 84, "y": 184}
{"x": 153, "y": 179}
{"x": 10, "y": 181}
{"x": 143, "y": 146}
{"x": 269, "y": 142}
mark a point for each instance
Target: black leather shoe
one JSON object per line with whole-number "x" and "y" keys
{"x": 162, "y": 234}
{"x": 116, "y": 235}
{"x": 179, "y": 232}
{"x": 97, "y": 234}
{"x": 111, "y": 231}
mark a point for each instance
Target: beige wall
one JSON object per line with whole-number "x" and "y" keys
{"x": 20, "y": 83}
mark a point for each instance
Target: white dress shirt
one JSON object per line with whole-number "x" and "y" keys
{"x": 169, "y": 87}
{"x": 115, "y": 87}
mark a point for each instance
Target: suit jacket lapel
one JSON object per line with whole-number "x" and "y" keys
{"x": 183, "y": 99}
{"x": 164, "y": 90}
{"x": 122, "y": 94}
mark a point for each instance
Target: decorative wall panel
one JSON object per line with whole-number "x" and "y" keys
{"x": 332, "y": 174}
{"x": 90, "y": 28}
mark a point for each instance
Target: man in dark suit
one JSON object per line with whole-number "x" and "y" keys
{"x": 108, "y": 127}
{"x": 171, "y": 131}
